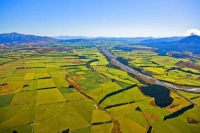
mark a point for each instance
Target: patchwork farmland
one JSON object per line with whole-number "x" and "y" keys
{"x": 74, "y": 87}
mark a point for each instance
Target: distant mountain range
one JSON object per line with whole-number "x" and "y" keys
{"x": 135, "y": 39}
{"x": 22, "y": 38}
{"x": 70, "y": 37}
{"x": 123, "y": 39}
{"x": 190, "y": 43}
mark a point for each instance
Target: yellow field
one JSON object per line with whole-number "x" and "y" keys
{"x": 41, "y": 75}
{"x": 29, "y": 76}
{"x": 45, "y": 83}
{"x": 100, "y": 116}
{"x": 49, "y": 96}
{"x": 154, "y": 70}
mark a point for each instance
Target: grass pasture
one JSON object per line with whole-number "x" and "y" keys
{"x": 29, "y": 76}
{"x": 156, "y": 71}
{"x": 24, "y": 98}
{"x": 98, "y": 93}
{"x": 84, "y": 108}
{"x": 166, "y": 60}
{"x": 21, "y": 129}
{"x": 122, "y": 97}
{"x": 82, "y": 130}
{"x": 45, "y": 83}
{"x": 71, "y": 94}
{"x": 126, "y": 126}
{"x": 41, "y": 75}
{"x": 64, "y": 116}
{"x": 103, "y": 128}
{"x": 16, "y": 113}
{"x": 100, "y": 116}
{"x": 4, "y": 60}
{"x": 60, "y": 82}
{"x": 92, "y": 81}
{"x": 138, "y": 117}
{"x": 49, "y": 96}
{"x": 192, "y": 96}
{"x": 32, "y": 85}
{"x": 116, "y": 74}
{"x": 5, "y": 100}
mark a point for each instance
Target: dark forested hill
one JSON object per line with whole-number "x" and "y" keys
{"x": 22, "y": 38}
{"x": 193, "y": 39}
{"x": 190, "y": 43}
{"x": 159, "y": 40}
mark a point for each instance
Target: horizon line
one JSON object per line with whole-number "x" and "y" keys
{"x": 97, "y": 36}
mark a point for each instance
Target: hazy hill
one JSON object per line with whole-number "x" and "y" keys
{"x": 74, "y": 40}
{"x": 22, "y": 38}
{"x": 190, "y": 43}
{"x": 123, "y": 39}
{"x": 165, "y": 39}
{"x": 193, "y": 39}
{"x": 70, "y": 37}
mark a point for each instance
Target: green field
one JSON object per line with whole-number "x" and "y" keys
{"x": 59, "y": 90}
{"x": 162, "y": 67}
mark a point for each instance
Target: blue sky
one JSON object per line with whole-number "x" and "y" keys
{"x": 117, "y": 18}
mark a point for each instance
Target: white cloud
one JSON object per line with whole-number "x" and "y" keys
{"x": 193, "y": 31}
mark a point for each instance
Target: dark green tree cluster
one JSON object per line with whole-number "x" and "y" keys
{"x": 73, "y": 65}
{"x": 194, "y": 97}
{"x": 82, "y": 57}
{"x": 160, "y": 93}
{"x": 149, "y": 129}
{"x": 179, "y": 112}
{"x": 180, "y": 69}
{"x": 66, "y": 131}
{"x": 154, "y": 63}
{"x": 138, "y": 109}
{"x": 70, "y": 86}
{"x": 45, "y": 78}
{"x": 89, "y": 62}
{"x": 123, "y": 48}
{"x": 180, "y": 55}
{"x": 122, "y": 60}
{"x": 99, "y": 123}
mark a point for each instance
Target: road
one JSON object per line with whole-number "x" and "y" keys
{"x": 138, "y": 74}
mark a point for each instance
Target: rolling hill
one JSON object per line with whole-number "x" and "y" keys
{"x": 193, "y": 39}
{"x": 159, "y": 40}
{"x": 190, "y": 43}
{"x": 9, "y": 38}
